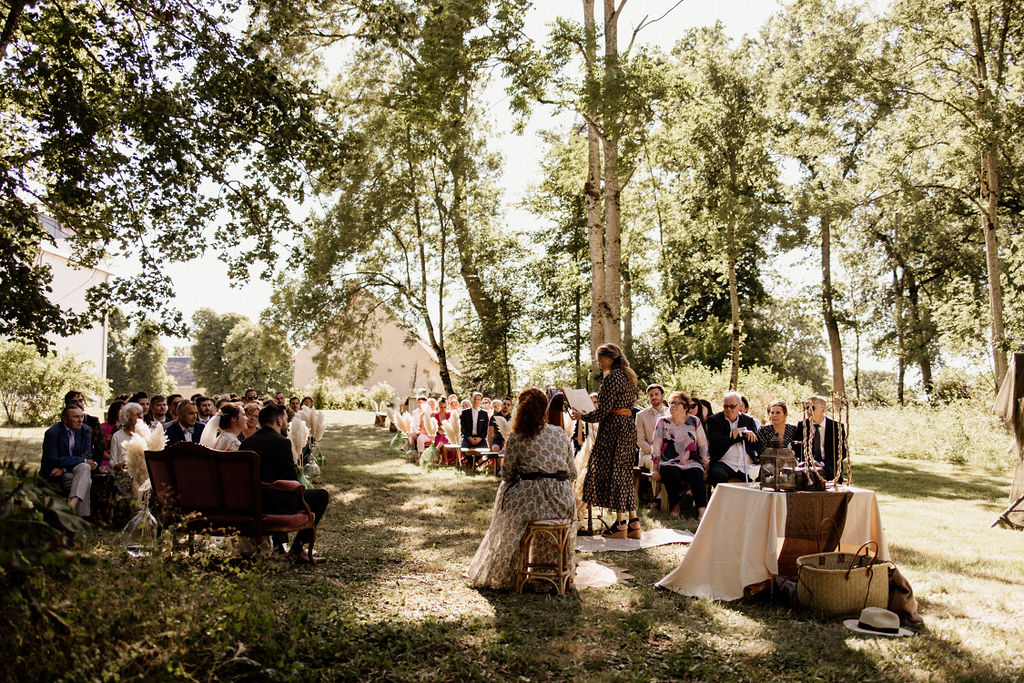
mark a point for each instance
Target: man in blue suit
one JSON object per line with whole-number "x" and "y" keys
{"x": 67, "y": 458}
{"x": 474, "y": 421}
{"x": 186, "y": 428}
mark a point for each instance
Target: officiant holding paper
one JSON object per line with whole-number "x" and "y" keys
{"x": 609, "y": 480}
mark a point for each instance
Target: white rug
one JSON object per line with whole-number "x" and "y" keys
{"x": 593, "y": 574}
{"x": 649, "y": 539}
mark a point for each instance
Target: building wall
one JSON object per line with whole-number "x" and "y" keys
{"x": 68, "y": 291}
{"x": 403, "y": 365}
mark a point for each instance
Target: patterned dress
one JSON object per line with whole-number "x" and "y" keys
{"x": 520, "y": 501}
{"x": 609, "y": 481}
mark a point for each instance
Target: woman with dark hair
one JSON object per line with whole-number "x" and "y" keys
{"x": 556, "y": 410}
{"x": 680, "y": 450}
{"x": 232, "y": 421}
{"x": 609, "y": 479}
{"x": 108, "y": 428}
{"x": 535, "y": 484}
{"x": 307, "y": 402}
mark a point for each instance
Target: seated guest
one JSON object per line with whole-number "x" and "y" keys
{"x": 293, "y": 404}
{"x": 466, "y": 403}
{"x": 427, "y": 411}
{"x": 67, "y": 458}
{"x": 681, "y": 454}
{"x": 157, "y": 411}
{"x": 279, "y": 397}
{"x": 307, "y": 401}
{"x": 172, "y": 409}
{"x": 186, "y": 428}
{"x": 746, "y": 411}
{"x": 142, "y": 398}
{"x": 206, "y": 409}
{"x": 495, "y": 438}
{"x": 129, "y": 418}
{"x": 473, "y": 421}
{"x": 250, "y": 395}
{"x": 77, "y": 399}
{"x": 733, "y": 445}
{"x": 646, "y": 419}
{"x": 109, "y": 427}
{"x": 822, "y": 436}
{"x": 252, "y": 422}
{"x": 485, "y": 403}
{"x": 231, "y": 422}
{"x": 777, "y": 430}
{"x": 535, "y": 484}
{"x": 276, "y": 463}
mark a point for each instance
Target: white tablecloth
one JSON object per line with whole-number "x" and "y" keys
{"x": 738, "y": 541}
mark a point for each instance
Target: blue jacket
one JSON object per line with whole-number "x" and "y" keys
{"x": 175, "y": 434}
{"x": 55, "y": 448}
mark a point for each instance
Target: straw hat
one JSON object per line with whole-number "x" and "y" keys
{"x": 875, "y": 621}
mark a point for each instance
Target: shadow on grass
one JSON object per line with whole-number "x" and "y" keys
{"x": 908, "y": 481}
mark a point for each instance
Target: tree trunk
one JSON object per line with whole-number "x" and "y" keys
{"x": 831, "y": 324}
{"x": 920, "y": 345}
{"x": 612, "y": 198}
{"x": 577, "y": 338}
{"x": 592, "y": 194}
{"x": 734, "y": 304}
{"x": 627, "y": 313}
{"x": 897, "y": 289}
{"x": 990, "y": 191}
{"x": 856, "y": 361}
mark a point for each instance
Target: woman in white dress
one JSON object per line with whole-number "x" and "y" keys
{"x": 229, "y": 421}
{"x": 130, "y": 418}
{"x": 536, "y": 484}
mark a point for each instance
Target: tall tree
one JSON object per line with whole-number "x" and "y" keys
{"x": 210, "y": 332}
{"x": 147, "y": 360}
{"x": 257, "y": 357}
{"x": 136, "y": 125}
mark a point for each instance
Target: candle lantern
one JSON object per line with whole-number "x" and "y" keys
{"x": 778, "y": 469}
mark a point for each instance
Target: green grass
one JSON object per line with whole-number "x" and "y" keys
{"x": 392, "y": 602}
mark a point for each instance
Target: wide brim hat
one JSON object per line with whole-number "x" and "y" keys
{"x": 875, "y": 621}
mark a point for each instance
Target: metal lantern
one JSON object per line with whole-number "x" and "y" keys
{"x": 778, "y": 469}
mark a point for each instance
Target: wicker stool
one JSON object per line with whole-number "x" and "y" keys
{"x": 558, "y": 573}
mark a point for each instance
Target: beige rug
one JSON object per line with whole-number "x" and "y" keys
{"x": 594, "y": 574}
{"x": 649, "y": 539}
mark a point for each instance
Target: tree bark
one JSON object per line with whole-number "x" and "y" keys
{"x": 831, "y": 324}
{"x": 612, "y": 197}
{"x": 990, "y": 192}
{"x": 592, "y": 194}
{"x": 897, "y": 289}
{"x": 920, "y": 346}
{"x": 627, "y": 313}
{"x": 734, "y": 304}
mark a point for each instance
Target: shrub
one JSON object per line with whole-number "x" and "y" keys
{"x": 379, "y": 395}
{"x": 760, "y": 385}
{"x": 32, "y": 387}
{"x": 329, "y": 395}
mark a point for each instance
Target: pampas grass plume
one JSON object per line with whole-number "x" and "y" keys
{"x": 431, "y": 427}
{"x": 298, "y": 434}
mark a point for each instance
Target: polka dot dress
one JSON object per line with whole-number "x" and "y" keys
{"x": 609, "y": 481}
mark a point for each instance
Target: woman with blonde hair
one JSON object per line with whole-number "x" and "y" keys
{"x": 535, "y": 484}
{"x": 609, "y": 480}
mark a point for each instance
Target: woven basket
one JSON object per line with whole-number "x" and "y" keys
{"x": 842, "y": 583}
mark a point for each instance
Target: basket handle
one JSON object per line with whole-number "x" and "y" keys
{"x": 821, "y": 527}
{"x": 856, "y": 555}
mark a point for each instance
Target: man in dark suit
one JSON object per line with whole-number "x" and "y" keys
{"x": 733, "y": 445}
{"x": 271, "y": 443}
{"x": 75, "y": 398}
{"x": 822, "y": 439}
{"x": 67, "y": 458}
{"x": 473, "y": 421}
{"x": 186, "y": 428}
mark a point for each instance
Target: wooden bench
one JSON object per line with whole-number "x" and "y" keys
{"x": 199, "y": 490}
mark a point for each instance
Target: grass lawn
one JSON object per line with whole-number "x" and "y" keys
{"x": 392, "y": 603}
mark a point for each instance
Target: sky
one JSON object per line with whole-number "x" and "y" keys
{"x": 204, "y": 282}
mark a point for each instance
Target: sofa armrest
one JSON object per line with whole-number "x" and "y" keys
{"x": 283, "y": 485}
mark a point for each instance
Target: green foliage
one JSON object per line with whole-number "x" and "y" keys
{"x": 135, "y": 127}
{"x": 257, "y": 357}
{"x": 328, "y": 394}
{"x": 759, "y": 385}
{"x": 147, "y": 361}
{"x": 118, "y": 346}
{"x": 210, "y": 331}
{"x": 39, "y": 540}
{"x": 32, "y": 387}
{"x": 380, "y": 395}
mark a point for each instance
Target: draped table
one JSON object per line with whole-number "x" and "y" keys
{"x": 744, "y": 528}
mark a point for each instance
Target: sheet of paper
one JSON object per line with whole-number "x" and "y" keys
{"x": 578, "y": 399}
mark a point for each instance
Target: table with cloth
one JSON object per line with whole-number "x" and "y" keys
{"x": 749, "y": 535}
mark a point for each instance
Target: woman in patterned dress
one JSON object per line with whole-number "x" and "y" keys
{"x": 536, "y": 484}
{"x": 609, "y": 480}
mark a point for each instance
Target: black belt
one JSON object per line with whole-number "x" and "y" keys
{"x": 560, "y": 476}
